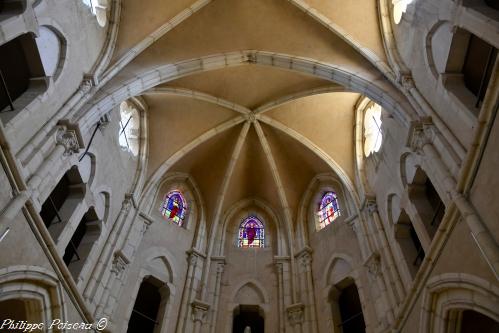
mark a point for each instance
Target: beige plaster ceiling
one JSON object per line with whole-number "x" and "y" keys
{"x": 261, "y": 84}
{"x": 244, "y": 127}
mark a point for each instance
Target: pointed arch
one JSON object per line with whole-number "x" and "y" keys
{"x": 382, "y": 92}
{"x": 255, "y": 285}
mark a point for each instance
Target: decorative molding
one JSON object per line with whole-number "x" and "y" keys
{"x": 199, "y": 310}
{"x": 295, "y": 313}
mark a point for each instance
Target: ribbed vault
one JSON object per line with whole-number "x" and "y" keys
{"x": 252, "y": 98}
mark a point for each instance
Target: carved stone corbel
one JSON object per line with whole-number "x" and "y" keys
{"x": 295, "y": 313}
{"x": 120, "y": 263}
{"x": 69, "y": 140}
{"x": 199, "y": 310}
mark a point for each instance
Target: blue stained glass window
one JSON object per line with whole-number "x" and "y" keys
{"x": 174, "y": 207}
{"x": 329, "y": 209}
{"x": 251, "y": 233}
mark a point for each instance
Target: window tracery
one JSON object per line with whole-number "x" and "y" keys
{"x": 251, "y": 233}
{"x": 372, "y": 130}
{"x": 129, "y": 128}
{"x": 174, "y": 207}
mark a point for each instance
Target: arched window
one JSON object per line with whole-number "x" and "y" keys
{"x": 174, "y": 207}
{"x": 128, "y": 135}
{"x": 372, "y": 130}
{"x": 329, "y": 209}
{"x": 251, "y": 233}
{"x": 399, "y": 8}
{"x": 99, "y": 9}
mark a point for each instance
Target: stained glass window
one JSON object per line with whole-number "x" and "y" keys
{"x": 329, "y": 209}
{"x": 251, "y": 233}
{"x": 174, "y": 207}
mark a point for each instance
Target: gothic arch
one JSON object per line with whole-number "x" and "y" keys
{"x": 107, "y": 100}
{"x": 450, "y": 291}
{"x": 311, "y": 196}
{"x": 271, "y": 220}
{"x": 254, "y": 285}
{"x": 166, "y": 257}
{"x": 36, "y": 284}
{"x": 195, "y": 218}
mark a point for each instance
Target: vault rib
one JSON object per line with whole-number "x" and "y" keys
{"x": 282, "y": 198}
{"x": 221, "y": 196}
{"x": 199, "y": 96}
{"x": 316, "y": 150}
{"x": 338, "y": 31}
{"x": 151, "y": 38}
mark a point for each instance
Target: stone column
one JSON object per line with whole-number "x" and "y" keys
{"x": 373, "y": 265}
{"x": 67, "y": 144}
{"x": 220, "y": 265}
{"x": 295, "y": 317}
{"x": 421, "y": 138}
{"x": 100, "y": 276}
{"x": 305, "y": 259}
{"x": 362, "y": 237}
{"x": 114, "y": 284}
{"x": 118, "y": 275}
{"x": 194, "y": 259}
{"x": 387, "y": 254}
{"x": 199, "y": 310}
{"x": 280, "y": 295}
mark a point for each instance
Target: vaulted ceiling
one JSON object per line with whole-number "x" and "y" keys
{"x": 253, "y": 98}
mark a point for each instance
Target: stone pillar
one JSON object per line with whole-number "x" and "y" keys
{"x": 220, "y": 266}
{"x": 14, "y": 207}
{"x": 295, "y": 317}
{"x": 386, "y": 252}
{"x": 373, "y": 265}
{"x": 110, "y": 296}
{"x": 67, "y": 144}
{"x": 421, "y": 138}
{"x": 194, "y": 259}
{"x": 114, "y": 285}
{"x": 100, "y": 275}
{"x": 305, "y": 259}
{"x": 362, "y": 237}
{"x": 199, "y": 311}
{"x": 280, "y": 295}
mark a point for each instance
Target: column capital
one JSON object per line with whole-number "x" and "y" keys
{"x": 421, "y": 133}
{"x": 199, "y": 310}
{"x": 373, "y": 264}
{"x": 67, "y": 139}
{"x": 120, "y": 263}
{"x": 148, "y": 220}
{"x": 87, "y": 83}
{"x": 194, "y": 255}
{"x": 372, "y": 206}
{"x": 295, "y": 313}
{"x": 220, "y": 264}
